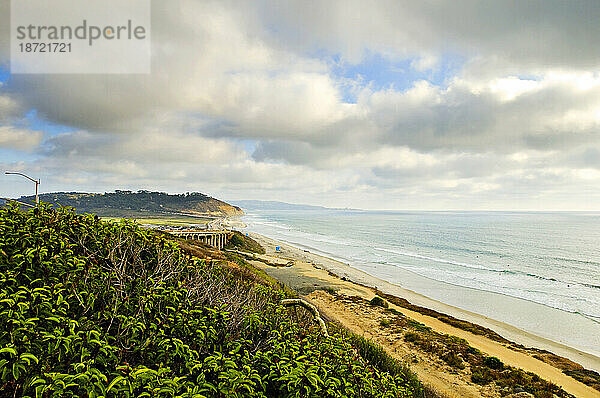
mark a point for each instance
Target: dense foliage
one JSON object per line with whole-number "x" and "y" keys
{"x": 239, "y": 241}
{"x": 96, "y": 309}
{"x": 141, "y": 203}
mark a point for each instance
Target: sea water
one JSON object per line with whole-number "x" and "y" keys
{"x": 536, "y": 271}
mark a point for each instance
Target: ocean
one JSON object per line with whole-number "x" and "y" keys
{"x": 537, "y": 271}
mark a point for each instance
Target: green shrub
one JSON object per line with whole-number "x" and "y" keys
{"x": 452, "y": 359}
{"x": 394, "y": 311}
{"x": 419, "y": 326}
{"x": 376, "y": 356}
{"x": 330, "y": 290}
{"x": 378, "y": 302}
{"x": 481, "y": 375}
{"x": 108, "y": 309}
{"x": 412, "y": 337}
{"x": 493, "y": 363}
{"x": 240, "y": 241}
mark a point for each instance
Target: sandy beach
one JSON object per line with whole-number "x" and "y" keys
{"x": 312, "y": 275}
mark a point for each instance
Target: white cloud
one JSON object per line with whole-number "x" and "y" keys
{"x": 15, "y": 138}
{"x": 425, "y": 63}
{"x": 537, "y": 33}
{"x": 8, "y": 108}
{"x": 244, "y": 100}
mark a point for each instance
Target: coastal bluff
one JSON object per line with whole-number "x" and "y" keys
{"x": 142, "y": 203}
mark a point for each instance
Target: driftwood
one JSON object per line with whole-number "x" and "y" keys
{"x": 313, "y": 310}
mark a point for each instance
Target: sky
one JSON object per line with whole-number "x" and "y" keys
{"x": 424, "y": 105}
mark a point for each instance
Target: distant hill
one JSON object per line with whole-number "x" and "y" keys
{"x": 274, "y": 205}
{"x": 140, "y": 204}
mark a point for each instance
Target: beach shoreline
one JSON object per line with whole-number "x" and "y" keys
{"x": 337, "y": 270}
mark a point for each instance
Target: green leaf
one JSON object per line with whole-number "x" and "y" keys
{"x": 116, "y": 380}
{"x": 29, "y": 357}
{"x": 8, "y": 350}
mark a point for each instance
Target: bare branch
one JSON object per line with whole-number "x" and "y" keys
{"x": 310, "y": 307}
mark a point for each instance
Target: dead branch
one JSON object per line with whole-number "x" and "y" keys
{"x": 310, "y": 307}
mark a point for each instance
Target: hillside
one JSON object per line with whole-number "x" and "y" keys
{"x": 140, "y": 204}
{"x": 93, "y": 308}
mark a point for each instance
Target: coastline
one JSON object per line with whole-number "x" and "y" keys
{"x": 312, "y": 275}
{"x": 359, "y": 277}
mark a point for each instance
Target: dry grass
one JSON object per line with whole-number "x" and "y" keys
{"x": 460, "y": 356}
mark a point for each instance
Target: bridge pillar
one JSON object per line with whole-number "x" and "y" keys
{"x": 216, "y": 239}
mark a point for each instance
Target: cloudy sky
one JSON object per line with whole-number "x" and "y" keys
{"x": 379, "y": 105}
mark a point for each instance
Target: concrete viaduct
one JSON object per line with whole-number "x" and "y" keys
{"x": 217, "y": 239}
